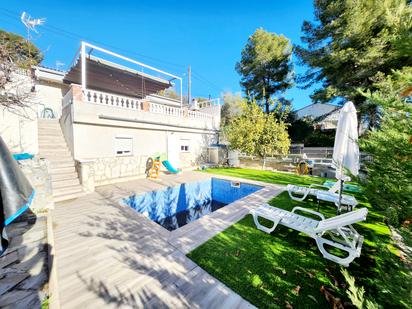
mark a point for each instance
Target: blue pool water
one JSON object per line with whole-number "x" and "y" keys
{"x": 176, "y": 206}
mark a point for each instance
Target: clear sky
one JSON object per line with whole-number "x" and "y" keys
{"x": 170, "y": 35}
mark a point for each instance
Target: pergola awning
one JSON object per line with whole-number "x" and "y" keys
{"x": 110, "y": 77}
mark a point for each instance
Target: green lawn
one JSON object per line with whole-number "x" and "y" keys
{"x": 281, "y": 178}
{"x": 286, "y": 267}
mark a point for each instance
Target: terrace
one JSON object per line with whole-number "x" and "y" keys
{"x": 102, "y": 92}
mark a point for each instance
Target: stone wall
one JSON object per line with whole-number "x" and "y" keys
{"x": 36, "y": 171}
{"x": 103, "y": 171}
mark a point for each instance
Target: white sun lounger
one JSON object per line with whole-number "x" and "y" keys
{"x": 299, "y": 193}
{"x": 343, "y": 235}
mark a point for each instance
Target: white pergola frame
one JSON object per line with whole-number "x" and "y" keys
{"x": 84, "y": 45}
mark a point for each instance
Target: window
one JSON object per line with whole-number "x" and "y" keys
{"x": 184, "y": 145}
{"x": 123, "y": 145}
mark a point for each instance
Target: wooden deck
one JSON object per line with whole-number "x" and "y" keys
{"x": 108, "y": 256}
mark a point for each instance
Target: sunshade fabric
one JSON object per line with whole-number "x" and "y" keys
{"x": 16, "y": 193}
{"x": 108, "y": 77}
{"x": 346, "y": 149}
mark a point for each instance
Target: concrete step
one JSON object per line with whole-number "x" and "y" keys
{"x": 49, "y": 131}
{"x": 63, "y": 159}
{"x": 68, "y": 196}
{"x": 58, "y": 158}
{"x": 47, "y": 123}
{"x": 53, "y": 152}
{"x": 47, "y": 140}
{"x": 45, "y": 120}
{"x": 44, "y": 126}
{"x": 62, "y": 170}
{"x": 50, "y": 143}
{"x": 67, "y": 190}
{"x": 64, "y": 176}
{"x": 67, "y": 193}
{"x": 57, "y": 184}
{"x": 61, "y": 164}
{"x": 51, "y": 148}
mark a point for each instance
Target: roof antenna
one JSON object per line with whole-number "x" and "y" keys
{"x": 31, "y": 24}
{"x": 59, "y": 64}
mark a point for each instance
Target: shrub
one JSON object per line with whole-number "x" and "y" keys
{"x": 388, "y": 184}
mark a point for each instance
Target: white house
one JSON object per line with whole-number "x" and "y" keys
{"x": 109, "y": 118}
{"x": 325, "y": 115}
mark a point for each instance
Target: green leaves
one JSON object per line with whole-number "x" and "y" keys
{"x": 388, "y": 184}
{"x": 351, "y": 43}
{"x": 255, "y": 133}
{"x": 15, "y": 48}
{"x": 266, "y": 66}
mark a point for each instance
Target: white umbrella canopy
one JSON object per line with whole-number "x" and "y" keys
{"x": 346, "y": 149}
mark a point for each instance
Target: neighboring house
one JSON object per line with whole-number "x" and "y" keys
{"x": 112, "y": 119}
{"x": 325, "y": 115}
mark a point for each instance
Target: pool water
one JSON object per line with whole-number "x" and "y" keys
{"x": 176, "y": 206}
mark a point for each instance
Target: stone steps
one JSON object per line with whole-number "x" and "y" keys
{"x": 68, "y": 193}
{"x": 64, "y": 176}
{"x": 62, "y": 170}
{"x": 53, "y": 147}
{"x": 63, "y": 183}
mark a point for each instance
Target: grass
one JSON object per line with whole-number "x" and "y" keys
{"x": 285, "y": 268}
{"x": 280, "y": 178}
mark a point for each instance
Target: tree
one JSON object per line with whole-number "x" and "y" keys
{"x": 388, "y": 185}
{"x": 232, "y": 107}
{"x": 256, "y": 133}
{"x": 22, "y": 53}
{"x": 15, "y": 59}
{"x": 266, "y": 67}
{"x": 350, "y": 43}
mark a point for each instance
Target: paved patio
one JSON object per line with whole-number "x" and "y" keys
{"x": 24, "y": 266}
{"x": 107, "y": 255}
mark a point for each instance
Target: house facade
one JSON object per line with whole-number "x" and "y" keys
{"x": 325, "y": 115}
{"x": 109, "y": 118}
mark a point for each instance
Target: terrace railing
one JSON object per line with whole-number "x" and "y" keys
{"x": 165, "y": 110}
{"x": 200, "y": 116}
{"x": 110, "y": 99}
{"x": 209, "y": 116}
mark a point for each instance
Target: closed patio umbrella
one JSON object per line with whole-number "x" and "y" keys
{"x": 346, "y": 149}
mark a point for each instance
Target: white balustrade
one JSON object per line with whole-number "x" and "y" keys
{"x": 110, "y": 99}
{"x": 114, "y": 100}
{"x": 200, "y": 116}
{"x": 166, "y": 110}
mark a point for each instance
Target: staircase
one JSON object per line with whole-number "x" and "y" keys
{"x": 53, "y": 147}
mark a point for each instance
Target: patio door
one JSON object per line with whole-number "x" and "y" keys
{"x": 173, "y": 149}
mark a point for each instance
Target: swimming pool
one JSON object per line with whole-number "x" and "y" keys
{"x": 176, "y": 206}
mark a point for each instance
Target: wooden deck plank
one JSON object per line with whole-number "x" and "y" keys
{"x": 110, "y": 256}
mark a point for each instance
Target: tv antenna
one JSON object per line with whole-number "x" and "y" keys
{"x": 31, "y": 24}
{"x": 59, "y": 64}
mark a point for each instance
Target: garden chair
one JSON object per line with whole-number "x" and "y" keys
{"x": 299, "y": 193}
{"x": 339, "y": 229}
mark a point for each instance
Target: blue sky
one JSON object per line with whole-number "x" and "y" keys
{"x": 170, "y": 35}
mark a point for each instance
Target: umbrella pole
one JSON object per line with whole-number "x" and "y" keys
{"x": 340, "y": 195}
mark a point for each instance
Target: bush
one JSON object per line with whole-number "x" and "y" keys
{"x": 388, "y": 184}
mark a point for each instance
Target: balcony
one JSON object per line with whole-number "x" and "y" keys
{"x": 98, "y": 107}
